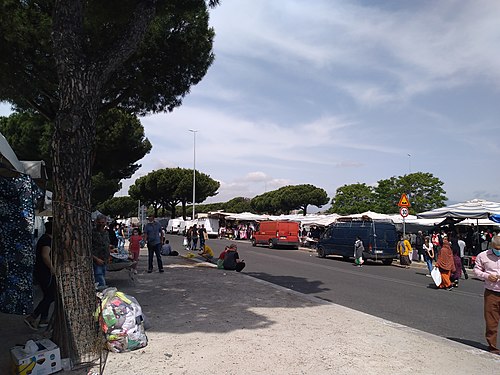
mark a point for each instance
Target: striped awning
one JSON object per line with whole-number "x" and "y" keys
{"x": 473, "y": 209}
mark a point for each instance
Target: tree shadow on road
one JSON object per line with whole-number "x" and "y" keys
{"x": 298, "y": 284}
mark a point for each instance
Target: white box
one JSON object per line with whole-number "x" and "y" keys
{"x": 46, "y": 360}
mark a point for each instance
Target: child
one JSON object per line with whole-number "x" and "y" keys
{"x": 134, "y": 247}
{"x": 207, "y": 253}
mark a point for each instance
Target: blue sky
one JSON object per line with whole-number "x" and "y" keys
{"x": 334, "y": 92}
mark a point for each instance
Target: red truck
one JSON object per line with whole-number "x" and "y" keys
{"x": 277, "y": 233}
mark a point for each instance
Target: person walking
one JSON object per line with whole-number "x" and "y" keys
{"x": 194, "y": 237}
{"x": 134, "y": 247}
{"x": 153, "y": 239}
{"x": 404, "y": 250}
{"x": 428, "y": 254}
{"x": 487, "y": 268}
{"x": 44, "y": 273}
{"x": 446, "y": 265}
{"x": 358, "y": 252}
{"x": 419, "y": 245}
{"x": 202, "y": 233}
{"x": 461, "y": 245}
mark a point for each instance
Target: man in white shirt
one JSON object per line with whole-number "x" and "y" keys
{"x": 461, "y": 245}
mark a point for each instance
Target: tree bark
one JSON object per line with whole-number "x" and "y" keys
{"x": 80, "y": 90}
{"x": 75, "y": 330}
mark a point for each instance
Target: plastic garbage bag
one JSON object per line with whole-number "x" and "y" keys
{"x": 121, "y": 319}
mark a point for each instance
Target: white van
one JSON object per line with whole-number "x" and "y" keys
{"x": 211, "y": 226}
{"x": 175, "y": 226}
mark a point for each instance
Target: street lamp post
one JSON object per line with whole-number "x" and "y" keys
{"x": 194, "y": 169}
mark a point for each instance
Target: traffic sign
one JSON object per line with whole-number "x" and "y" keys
{"x": 404, "y": 211}
{"x": 404, "y": 202}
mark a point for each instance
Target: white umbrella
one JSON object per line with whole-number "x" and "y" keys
{"x": 473, "y": 209}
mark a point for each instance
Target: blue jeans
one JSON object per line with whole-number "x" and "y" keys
{"x": 154, "y": 250}
{"x": 99, "y": 274}
{"x": 121, "y": 243}
{"x": 428, "y": 260}
{"x": 195, "y": 243}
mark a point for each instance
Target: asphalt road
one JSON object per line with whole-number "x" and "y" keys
{"x": 404, "y": 296}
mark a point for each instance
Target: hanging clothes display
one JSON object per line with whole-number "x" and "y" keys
{"x": 18, "y": 197}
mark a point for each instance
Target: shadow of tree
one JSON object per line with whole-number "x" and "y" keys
{"x": 298, "y": 284}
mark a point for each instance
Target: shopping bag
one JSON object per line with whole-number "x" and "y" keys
{"x": 185, "y": 242}
{"x": 436, "y": 276}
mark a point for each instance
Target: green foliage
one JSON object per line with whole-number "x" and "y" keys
{"x": 174, "y": 54}
{"x": 30, "y": 137}
{"x": 353, "y": 199}
{"x": 424, "y": 191}
{"x": 119, "y": 207}
{"x": 238, "y": 205}
{"x": 288, "y": 198}
{"x": 103, "y": 188}
{"x": 120, "y": 143}
{"x": 168, "y": 187}
{"x": 265, "y": 203}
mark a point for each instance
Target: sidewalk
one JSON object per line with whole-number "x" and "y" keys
{"x": 208, "y": 321}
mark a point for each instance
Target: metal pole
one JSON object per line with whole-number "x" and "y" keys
{"x": 194, "y": 170}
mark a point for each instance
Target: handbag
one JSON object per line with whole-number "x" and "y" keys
{"x": 436, "y": 276}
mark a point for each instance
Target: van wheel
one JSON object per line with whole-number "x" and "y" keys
{"x": 321, "y": 252}
{"x": 345, "y": 258}
{"x": 271, "y": 245}
{"x": 254, "y": 243}
{"x": 387, "y": 262}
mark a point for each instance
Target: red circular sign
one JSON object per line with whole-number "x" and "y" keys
{"x": 404, "y": 211}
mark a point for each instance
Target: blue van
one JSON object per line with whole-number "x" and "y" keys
{"x": 379, "y": 239}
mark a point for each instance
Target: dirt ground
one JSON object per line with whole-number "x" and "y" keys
{"x": 201, "y": 320}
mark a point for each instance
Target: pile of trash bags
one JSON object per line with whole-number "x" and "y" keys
{"x": 120, "y": 318}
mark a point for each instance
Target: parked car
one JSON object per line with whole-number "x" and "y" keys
{"x": 379, "y": 239}
{"x": 277, "y": 233}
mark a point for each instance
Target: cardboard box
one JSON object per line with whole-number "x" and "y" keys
{"x": 46, "y": 360}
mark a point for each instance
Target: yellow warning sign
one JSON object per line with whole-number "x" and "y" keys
{"x": 404, "y": 202}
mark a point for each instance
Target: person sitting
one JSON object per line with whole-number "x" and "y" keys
{"x": 232, "y": 261}
{"x": 220, "y": 261}
{"x": 166, "y": 249}
{"x": 207, "y": 253}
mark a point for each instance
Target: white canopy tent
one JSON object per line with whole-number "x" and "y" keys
{"x": 8, "y": 159}
{"x": 473, "y": 209}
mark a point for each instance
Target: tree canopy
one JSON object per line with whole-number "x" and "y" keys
{"x": 288, "y": 198}
{"x": 424, "y": 191}
{"x": 122, "y": 207}
{"x": 166, "y": 188}
{"x": 173, "y": 53}
{"x": 354, "y": 198}
{"x": 120, "y": 143}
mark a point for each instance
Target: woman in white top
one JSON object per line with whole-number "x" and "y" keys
{"x": 428, "y": 253}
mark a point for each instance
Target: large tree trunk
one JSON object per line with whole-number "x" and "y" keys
{"x": 75, "y": 329}
{"x": 81, "y": 79}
